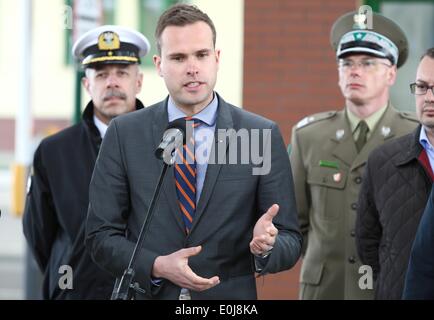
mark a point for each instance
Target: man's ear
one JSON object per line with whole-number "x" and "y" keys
{"x": 139, "y": 82}
{"x": 157, "y": 63}
{"x": 217, "y": 57}
{"x": 85, "y": 83}
{"x": 391, "y": 75}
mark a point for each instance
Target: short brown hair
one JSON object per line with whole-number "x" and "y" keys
{"x": 181, "y": 15}
{"x": 428, "y": 53}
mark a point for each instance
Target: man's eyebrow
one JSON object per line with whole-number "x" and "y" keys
{"x": 203, "y": 51}
{"x": 176, "y": 54}
{"x": 180, "y": 54}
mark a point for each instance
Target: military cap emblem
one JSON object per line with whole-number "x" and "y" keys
{"x": 359, "y": 35}
{"x": 359, "y": 21}
{"x": 109, "y": 41}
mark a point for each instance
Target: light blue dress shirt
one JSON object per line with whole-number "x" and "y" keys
{"x": 204, "y": 134}
{"x": 423, "y": 139}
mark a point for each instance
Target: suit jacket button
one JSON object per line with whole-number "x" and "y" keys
{"x": 353, "y": 233}
{"x": 354, "y": 206}
{"x": 352, "y": 260}
{"x": 358, "y": 180}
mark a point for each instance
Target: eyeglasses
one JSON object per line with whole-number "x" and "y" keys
{"x": 366, "y": 64}
{"x": 420, "y": 89}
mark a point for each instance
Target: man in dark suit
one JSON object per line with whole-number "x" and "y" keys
{"x": 57, "y": 200}
{"x": 216, "y": 222}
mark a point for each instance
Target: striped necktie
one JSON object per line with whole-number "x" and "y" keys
{"x": 185, "y": 176}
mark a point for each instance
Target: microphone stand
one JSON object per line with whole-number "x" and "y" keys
{"x": 123, "y": 289}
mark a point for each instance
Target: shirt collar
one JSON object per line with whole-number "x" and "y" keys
{"x": 102, "y": 127}
{"x": 371, "y": 121}
{"x": 208, "y": 115}
{"x": 423, "y": 139}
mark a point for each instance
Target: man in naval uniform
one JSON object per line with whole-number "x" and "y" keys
{"x": 330, "y": 149}
{"x": 58, "y": 197}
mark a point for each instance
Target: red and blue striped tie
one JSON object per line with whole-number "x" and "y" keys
{"x": 185, "y": 177}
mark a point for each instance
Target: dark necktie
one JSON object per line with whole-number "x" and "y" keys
{"x": 185, "y": 177}
{"x": 363, "y": 135}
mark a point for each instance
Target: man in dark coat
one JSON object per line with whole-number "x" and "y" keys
{"x": 58, "y": 198}
{"x": 395, "y": 189}
{"x": 419, "y": 282}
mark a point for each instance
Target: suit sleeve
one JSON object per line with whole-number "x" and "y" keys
{"x": 368, "y": 227}
{"x": 109, "y": 206}
{"x": 419, "y": 281}
{"x": 40, "y": 223}
{"x": 300, "y": 187}
{"x": 277, "y": 187}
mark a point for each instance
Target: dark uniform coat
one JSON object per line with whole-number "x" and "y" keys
{"x": 56, "y": 209}
{"x": 327, "y": 174}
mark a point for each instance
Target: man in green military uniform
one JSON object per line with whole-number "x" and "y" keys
{"x": 330, "y": 149}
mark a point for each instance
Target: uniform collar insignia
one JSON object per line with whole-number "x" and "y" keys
{"x": 340, "y": 134}
{"x": 385, "y": 131}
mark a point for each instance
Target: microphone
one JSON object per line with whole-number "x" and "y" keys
{"x": 173, "y": 137}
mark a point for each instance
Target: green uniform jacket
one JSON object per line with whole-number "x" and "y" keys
{"x": 327, "y": 175}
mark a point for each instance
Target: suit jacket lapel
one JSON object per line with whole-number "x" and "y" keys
{"x": 384, "y": 130}
{"x": 224, "y": 121}
{"x": 160, "y": 123}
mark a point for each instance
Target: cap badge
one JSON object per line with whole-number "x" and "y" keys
{"x": 359, "y": 21}
{"x": 109, "y": 41}
{"x": 359, "y": 35}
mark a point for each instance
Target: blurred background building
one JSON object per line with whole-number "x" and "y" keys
{"x": 276, "y": 61}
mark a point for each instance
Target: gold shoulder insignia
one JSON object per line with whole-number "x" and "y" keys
{"x": 315, "y": 118}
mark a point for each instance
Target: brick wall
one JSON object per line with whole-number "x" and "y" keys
{"x": 289, "y": 66}
{"x": 290, "y": 72}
